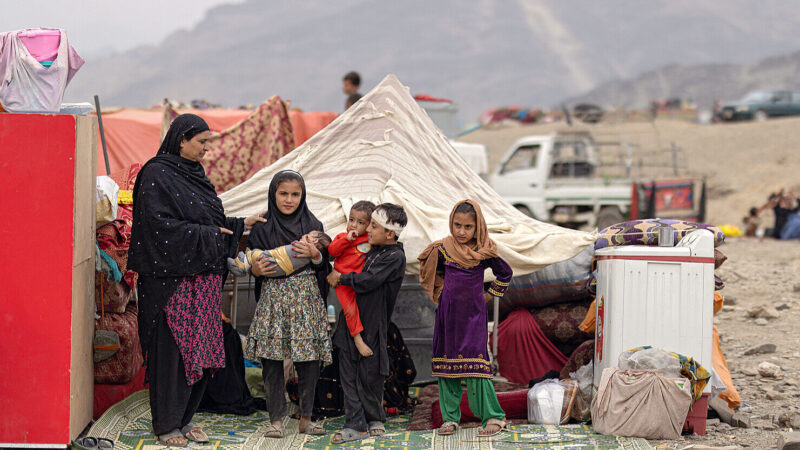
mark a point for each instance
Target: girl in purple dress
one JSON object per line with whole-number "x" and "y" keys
{"x": 451, "y": 272}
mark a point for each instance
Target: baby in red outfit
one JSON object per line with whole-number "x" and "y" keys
{"x": 349, "y": 250}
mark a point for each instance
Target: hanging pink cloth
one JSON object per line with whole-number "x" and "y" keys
{"x": 523, "y": 351}
{"x": 42, "y": 43}
{"x": 25, "y": 84}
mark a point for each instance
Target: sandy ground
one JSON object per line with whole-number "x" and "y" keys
{"x": 743, "y": 163}
{"x": 759, "y": 273}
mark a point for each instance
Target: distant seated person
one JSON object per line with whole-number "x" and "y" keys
{"x": 752, "y": 222}
{"x": 285, "y": 257}
{"x": 784, "y": 204}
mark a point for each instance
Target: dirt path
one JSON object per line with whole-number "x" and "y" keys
{"x": 759, "y": 273}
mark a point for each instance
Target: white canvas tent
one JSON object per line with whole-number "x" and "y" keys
{"x": 386, "y": 149}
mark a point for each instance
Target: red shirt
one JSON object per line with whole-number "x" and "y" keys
{"x": 349, "y": 255}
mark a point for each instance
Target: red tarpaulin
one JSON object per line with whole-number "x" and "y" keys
{"x": 134, "y": 135}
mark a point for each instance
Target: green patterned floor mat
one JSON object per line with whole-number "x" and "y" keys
{"x": 128, "y": 424}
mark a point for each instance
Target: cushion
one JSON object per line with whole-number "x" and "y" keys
{"x": 560, "y": 324}
{"x": 645, "y": 232}
{"x": 557, "y": 283}
{"x": 582, "y": 355}
{"x": 114, "y": 295}
{"x": 126, "y": 363}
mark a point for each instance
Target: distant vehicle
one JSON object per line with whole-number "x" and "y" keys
{"x": 566, "y": 178}
{"x": 761, "y": 105}
{"x": 588, "y": 113}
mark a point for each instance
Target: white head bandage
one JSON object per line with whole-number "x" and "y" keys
{"x": 379, "y": 215}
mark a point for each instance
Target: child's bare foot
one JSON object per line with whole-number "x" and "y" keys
{"x": 362, "y": 347}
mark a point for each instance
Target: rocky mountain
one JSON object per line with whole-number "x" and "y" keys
{"x": 481, "y": 53}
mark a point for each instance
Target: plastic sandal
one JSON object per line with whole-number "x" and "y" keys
{"x": 348, "y": 435}
{"x": 377, "y": 428}
{"x": 314, "y": 429}
{"x": 447, "y": 429}
{"x": 174, "y": 434}
{"x": 92, "y": 443}
{"x": 194, "y": 434}
{"x": 86, "y": 443}
{"x": 501, "y": 426}
{"x": 274, "y": 431}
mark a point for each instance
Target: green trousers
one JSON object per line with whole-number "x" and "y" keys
{"x": 480, "y": 394}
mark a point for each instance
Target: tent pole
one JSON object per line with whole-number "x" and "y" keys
{"x": 102, "y": 133}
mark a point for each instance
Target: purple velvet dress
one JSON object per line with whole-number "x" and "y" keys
{"x": 460, "y": 336}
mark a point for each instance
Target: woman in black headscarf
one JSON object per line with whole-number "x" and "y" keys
{"x": 290, "y": 319}
{"x": 179, "y": 244}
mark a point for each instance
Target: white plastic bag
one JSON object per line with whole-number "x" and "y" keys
{"x": 106, "y": 200}
{"x": 545, "y": 400}
{"x": 585, "y": 378}
{"x": 651, "y": 359}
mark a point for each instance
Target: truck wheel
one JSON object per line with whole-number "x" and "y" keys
{"x": 608, "y": 215}
{"x": 760, "y": 115}
{"x": 524, "y": 210}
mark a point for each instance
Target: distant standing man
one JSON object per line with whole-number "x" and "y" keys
{"x": 350, "y": 83}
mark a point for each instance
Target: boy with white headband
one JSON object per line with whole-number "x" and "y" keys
{"x": 376, "y": 290}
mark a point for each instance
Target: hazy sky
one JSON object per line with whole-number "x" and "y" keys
{"x": 99, "y": 27}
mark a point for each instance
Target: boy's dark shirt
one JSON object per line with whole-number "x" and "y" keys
{"x": 376, "y": 290}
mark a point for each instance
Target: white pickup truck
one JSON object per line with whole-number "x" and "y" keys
{"x": 563, "y": 178}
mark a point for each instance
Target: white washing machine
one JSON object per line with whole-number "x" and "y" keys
{"x": 657, "y": 296}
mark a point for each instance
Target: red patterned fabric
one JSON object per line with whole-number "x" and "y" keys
{"x": 107, "y": 395}
{"x": 193, "y": 316}
{"x": 237, "y": 153}
{"x": 523, "y": 351}
{"x": 115, "y": 296}
{"x": 514, "y": 404}
{"x": 560, "y": 323}
{"x": 126, "y": 363}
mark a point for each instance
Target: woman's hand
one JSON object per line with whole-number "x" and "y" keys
{"x": 306, "y": 250}
{"x": 262, "y": 268}
{"x": 251, "y": 220}
{"x": 333, "y": 278}
{"x": 487, "y": 297}
{"x": 224, "y": 230}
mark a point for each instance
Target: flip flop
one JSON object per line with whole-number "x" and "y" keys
{"x": 501, "y": 426}
{"x": 174, "y": 434}
{"x": 274, "y": 431}
{"x": 92, "y": 443}
{"x": 191, "y": 433}
{"x": 376, "y": 428}
{"x": 85, "y": 443}
{"x": 348, "y": 435}
{"x": 447, "y": 429}
{"x": 314, "y": 429}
